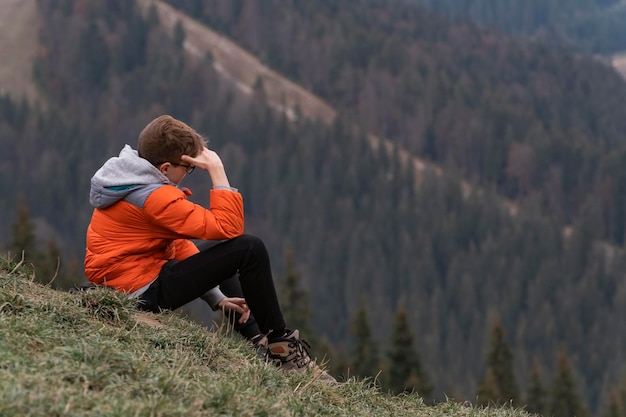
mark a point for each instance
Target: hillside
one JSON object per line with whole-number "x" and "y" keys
{"x": 93, "y": 354}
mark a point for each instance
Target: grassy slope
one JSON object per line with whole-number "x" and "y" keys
{"x": 94, "y": 354}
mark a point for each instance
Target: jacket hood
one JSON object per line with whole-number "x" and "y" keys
{"x": 121, "y": 175}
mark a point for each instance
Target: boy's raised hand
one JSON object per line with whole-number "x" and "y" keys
{"x": 209, "y": 161}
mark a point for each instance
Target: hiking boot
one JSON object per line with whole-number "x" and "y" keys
{"x": 291, "y": 353}
{"x": 259, "y": 345}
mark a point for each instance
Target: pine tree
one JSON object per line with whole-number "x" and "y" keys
{"x": 179, "y": 35}
{"x": 498, "y": 386}
{"x": 48, "y": 264}
{"x": 328, "y": 357}
{"x": 295, "y": 300}
{"x": 406, "y": 373}
{"x": 617, "y": 402}
{"x": 536, "y": 397}
{"x": 23, "y": 239}
{"x": 339, "y": 365}
{"x": 364, "y": 353}
{"x": 615, "y": 408}
{"x": 565, "y": 401}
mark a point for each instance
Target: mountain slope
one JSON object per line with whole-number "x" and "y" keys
{"x": 93, "y": 354}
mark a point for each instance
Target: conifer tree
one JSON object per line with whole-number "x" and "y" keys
{"x": 338, "y": 364}
{"x": 48, "y": 264}
{"x": 617, "y": 402}
{"x": 23, "y": 239}
{"x": 330, "y": 358}
{"x": 536, "y": 396}
{"x": 179, "y": 35}
{"x": 406, "y": 373}
{"x": 615, "y": 408}
{"x": 498, "y": 386}
{"x": 565, "y": 401}
{"x": 364, "y": 358}
{"x": 294, "y": 299}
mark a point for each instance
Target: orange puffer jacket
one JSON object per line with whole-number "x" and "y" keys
{"x": 141, "y": 221}
{"x": 127, "y": 245}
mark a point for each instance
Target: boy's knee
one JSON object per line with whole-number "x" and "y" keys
{"x": 253, "y": 242}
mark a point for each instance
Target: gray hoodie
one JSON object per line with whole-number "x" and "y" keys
{"x": 121, "y": 175}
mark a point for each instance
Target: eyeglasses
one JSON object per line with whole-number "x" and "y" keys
{"x": 190, "y": 168}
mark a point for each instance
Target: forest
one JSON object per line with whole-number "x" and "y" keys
{"x": 594, "y": 26}
{"x": 517, "y": 240}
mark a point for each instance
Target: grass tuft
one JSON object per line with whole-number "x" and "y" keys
{"x": 93, "y": 354}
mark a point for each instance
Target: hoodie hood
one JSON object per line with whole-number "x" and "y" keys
{"x": 121, "y": 175}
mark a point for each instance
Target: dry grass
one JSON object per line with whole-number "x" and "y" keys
{"x": 93, "y": 354}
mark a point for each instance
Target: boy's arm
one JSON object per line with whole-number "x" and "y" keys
{"x": 175, "y": 217}
{"x": 213, "y": 297}
{"x": 171, "y": 210}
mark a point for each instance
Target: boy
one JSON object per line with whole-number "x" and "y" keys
{"x": 138, "y": 239}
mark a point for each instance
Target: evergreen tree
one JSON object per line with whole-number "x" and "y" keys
{"x": 498, "y": 386}
{"x": 617, "y": 402}
{"x": 179, "y": 35}
{"x": 339, "y": 365}
{"x": 615, "y": 406}
{"x": 536, "y": 396}
{"x": 48, "y": 264}
{"x": 565, "y": 401}
{"x": 294, "y": 299}
{"x": 406, "y": 373}
{"x": 364, "y": 359}
{"x": 328, "y": 357}
{"x": 23, "y": 239}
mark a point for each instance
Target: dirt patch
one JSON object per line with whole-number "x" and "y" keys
{"x": 19, "y": 27}
{"x": 148, "y": 319}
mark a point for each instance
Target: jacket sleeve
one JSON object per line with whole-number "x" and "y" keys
{"x": 173, "y": 216}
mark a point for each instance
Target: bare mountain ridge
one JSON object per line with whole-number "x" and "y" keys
{"x": 240, "y": 68}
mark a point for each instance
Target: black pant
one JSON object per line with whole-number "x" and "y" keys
{"x": 184, "y": 281}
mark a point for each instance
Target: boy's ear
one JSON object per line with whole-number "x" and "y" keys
{"x": 163, "y": 167}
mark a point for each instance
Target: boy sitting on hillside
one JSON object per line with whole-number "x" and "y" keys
{"x": 138, "y": 239}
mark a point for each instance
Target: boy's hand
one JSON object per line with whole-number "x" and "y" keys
{"x": 236, "y": 304}
{"x": 210, "y": 162}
